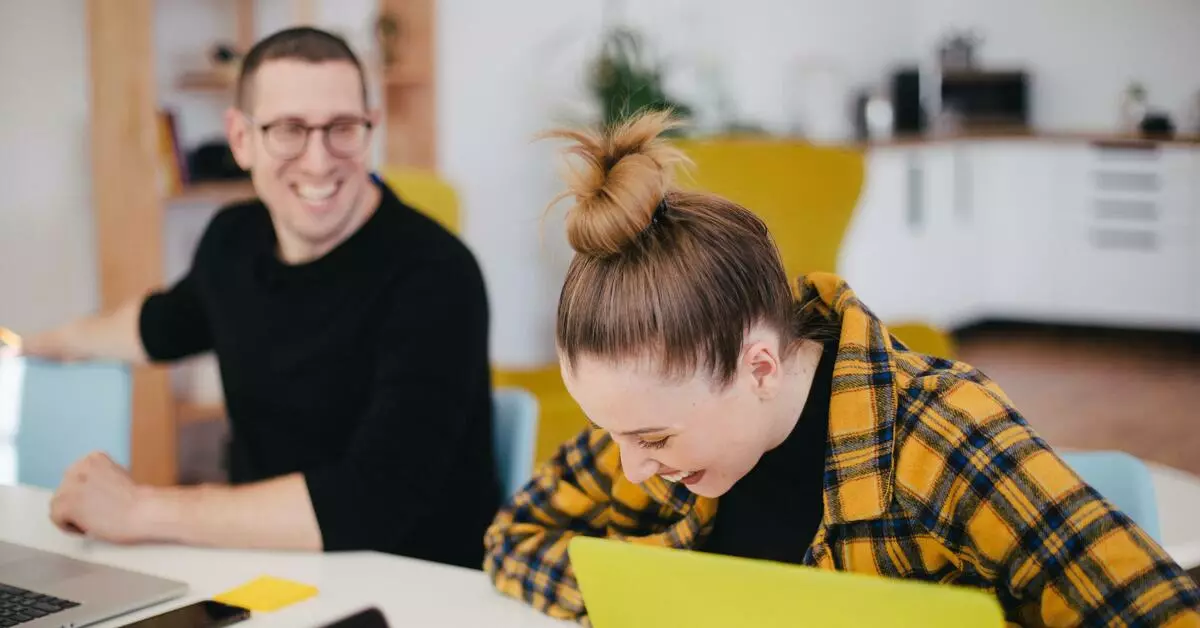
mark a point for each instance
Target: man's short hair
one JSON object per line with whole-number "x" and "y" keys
{"x": 301, "y": 43}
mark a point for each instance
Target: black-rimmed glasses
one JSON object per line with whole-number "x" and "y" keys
{"x": 288, "y": 139}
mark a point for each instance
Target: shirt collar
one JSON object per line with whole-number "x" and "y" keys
{"x": 862, "y": 411}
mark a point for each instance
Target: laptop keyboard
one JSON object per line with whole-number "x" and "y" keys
{"x": 18, "y": 606}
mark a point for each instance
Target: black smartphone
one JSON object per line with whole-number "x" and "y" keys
{"x": 205, "y": 614}
{"x": 366, "y": 618}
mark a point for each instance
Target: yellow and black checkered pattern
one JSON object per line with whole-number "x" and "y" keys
{"x": 932, "y": 475}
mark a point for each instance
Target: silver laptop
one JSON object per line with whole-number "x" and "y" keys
{"x": 41, "y": 589}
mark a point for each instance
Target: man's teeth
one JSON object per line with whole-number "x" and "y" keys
{"x": 678, "y": 477}
{"x": 316, "y": 193}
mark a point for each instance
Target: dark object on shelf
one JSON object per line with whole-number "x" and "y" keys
{"x": 988, "y": 99}
{"x": 213, "y": 161}
{"x": 222, "y": 54}
{"x": 909, "y": 111}
{"x": 957, "y": 52}
{"x": 387, "y": 35}
{"x": 1158, "y": 124}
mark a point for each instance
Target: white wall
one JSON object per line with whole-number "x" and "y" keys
{"x": 508, "y": 70}
{"x": 47, "y": 249}
{"x": 1083, "y": 53}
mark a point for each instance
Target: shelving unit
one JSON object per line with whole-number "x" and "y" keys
{"x": 130, "y": 214}
{"x": 408, "y": 88}
{"x": 215, "y": 192}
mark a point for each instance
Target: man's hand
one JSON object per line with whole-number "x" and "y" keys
{"x": 99, "y": 499}
{"x": 50, "y": 345}
{"x": 113, "y": 335}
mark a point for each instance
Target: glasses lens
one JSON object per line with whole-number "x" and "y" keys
{"x": 347, "y": 139}
{"x": 286, "y": 141}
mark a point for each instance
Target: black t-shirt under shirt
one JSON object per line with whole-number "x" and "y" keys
{"x": 365, "y": 370}
{"x": 774, "y": 511}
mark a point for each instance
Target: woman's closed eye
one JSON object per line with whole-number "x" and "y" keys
{"x": 653, "y": 444}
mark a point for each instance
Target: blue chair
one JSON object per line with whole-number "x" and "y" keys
{"x": 1124, "y": 481}
{"x": 68, "y": 411}
{"x": 514, "y": 434}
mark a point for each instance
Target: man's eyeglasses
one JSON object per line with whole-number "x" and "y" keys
{"x": 288, "y": 139}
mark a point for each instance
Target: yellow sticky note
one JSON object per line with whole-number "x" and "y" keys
{"x": 266, "y": 594}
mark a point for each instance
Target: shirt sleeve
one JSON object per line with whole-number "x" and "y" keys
{"x": 526, "y": 545}
{"x": 1055, "y": 551}
{"x": 424, "y": 397}
{"x": 173, "y": 323}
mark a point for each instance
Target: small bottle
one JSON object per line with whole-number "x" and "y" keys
{"x": 1133, "y": 108}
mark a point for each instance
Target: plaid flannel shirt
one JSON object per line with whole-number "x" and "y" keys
{"x": 932, "y": 475}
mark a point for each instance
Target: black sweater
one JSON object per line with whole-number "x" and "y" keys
{"x": 365, "y": 370}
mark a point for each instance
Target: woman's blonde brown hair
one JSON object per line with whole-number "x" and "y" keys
{"x": 660, "y": 272}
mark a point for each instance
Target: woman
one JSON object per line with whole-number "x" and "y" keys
{"x": 732, "y": 417}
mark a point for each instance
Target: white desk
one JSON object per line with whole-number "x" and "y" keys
{"x": 1178, "y": 496}
{"x": 409, "y": 592}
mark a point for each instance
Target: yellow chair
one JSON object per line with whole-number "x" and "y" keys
{"x": 426, "y": 192}
{"x": 806, "y": 194}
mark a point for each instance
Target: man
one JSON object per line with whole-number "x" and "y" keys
{"x": 351, "y": 333}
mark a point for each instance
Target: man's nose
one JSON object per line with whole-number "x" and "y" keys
{"x": 316, "y": 157}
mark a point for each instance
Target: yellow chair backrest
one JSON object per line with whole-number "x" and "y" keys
{"x": 427, "y": 192}
{"x": 806, "y": 194}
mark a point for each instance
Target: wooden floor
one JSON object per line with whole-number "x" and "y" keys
{"x": 1079, "y": 388}
{"x": 1096, "y": 389}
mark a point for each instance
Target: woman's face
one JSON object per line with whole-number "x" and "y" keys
{"x": 688, "y": 431}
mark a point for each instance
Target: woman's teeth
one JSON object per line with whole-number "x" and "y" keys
{"x": 679, "y": 476}
{"x": 316, "y": 193}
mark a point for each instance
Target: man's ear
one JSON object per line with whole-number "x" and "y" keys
{"x": 241, "y": 139}
{"x": 764, "y": 369}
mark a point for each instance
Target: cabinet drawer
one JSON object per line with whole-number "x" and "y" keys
{"x": 1117, "y": 186}
{"x": 1126, "y": 274}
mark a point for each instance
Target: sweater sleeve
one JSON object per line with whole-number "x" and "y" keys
{"x": 424, "y": 398}
{"x": 173, "y": 322}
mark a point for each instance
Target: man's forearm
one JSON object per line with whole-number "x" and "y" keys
{"x": 112, "y": 335}
{"x": 273, "y": 514}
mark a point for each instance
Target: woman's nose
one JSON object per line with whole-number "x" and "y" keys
{"x": 638, "y": 466}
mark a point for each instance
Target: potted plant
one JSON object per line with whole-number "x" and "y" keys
{"x": 624, "y": 80}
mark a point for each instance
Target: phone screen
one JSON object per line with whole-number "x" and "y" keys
{"x": 206, "y": 614}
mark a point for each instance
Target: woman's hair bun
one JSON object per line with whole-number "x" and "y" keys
{"x": 621, "y": 175}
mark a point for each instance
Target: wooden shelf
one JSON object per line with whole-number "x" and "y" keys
{"x": 207, "y": 81}
{"x": 187, "y": 412}
{"x": 218, "y": 192}
{"x": 406, "y": 77}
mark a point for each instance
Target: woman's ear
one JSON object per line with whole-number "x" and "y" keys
{"x": 763, "y": 368}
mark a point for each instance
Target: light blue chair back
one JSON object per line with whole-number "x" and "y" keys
{"x": 68, "y": 411}
{"x": 514, "y": 433}
{"x": 1124, "y": 481}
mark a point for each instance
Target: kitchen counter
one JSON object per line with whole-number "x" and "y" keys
{"x": 1108, "y": 140}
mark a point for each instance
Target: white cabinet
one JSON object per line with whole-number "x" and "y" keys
{"x": 950, "y": 262}
{"x": 1193, "y": 206}
{"x": 879, "y": 245}
{"x": 1026, "y": 229}
{"x": 1015, "y": 234}
{"x": 910, "y": 252}
{"x": 1125, "y": 220}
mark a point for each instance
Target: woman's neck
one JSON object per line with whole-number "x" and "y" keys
{"x": 799, "y": 372}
